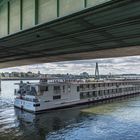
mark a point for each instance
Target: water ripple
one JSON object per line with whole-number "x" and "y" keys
{"x": 112, "y": 121}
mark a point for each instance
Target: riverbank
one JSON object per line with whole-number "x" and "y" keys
{"x": 14, "y": 79}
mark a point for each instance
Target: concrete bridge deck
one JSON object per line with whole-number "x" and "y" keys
{"x": 109, "y": 28}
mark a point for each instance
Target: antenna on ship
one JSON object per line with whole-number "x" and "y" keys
{"x": 97, "y": 72}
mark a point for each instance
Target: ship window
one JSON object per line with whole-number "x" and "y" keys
{"x": 35, "y": 105}
{"x": 88, "y": 94}
{"x": 106, "y": 84}
{"x": 93, "y": 85}
{"x": 63, "y": 87}
{"x": 94, "y": 94}
{"x": 99, "y": 92}
{"x": 78, "y": 88}
{"x": 56, "y": 97}
{"x": 35, "y": 100}
{"x": 43, "y": 88}
{"x": 81, "y": 95}
{"x": 47, "y": 88}
{"x": 56, "y": 87}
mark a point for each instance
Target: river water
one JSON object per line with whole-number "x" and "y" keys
{"x": 117, "y": 120}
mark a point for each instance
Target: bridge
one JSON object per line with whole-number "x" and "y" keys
{"x": 40, "y": 31}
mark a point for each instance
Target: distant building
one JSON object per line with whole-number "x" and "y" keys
{"x": 15, "y": 74}
{"x": 6, "y": 74}
{"x": 84, "y": 74}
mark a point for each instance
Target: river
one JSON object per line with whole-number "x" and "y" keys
{"x": 117, "y": 120}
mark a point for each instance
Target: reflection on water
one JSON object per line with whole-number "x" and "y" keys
{"x": 41, "y": 125}
{"x": 119, "y": 120}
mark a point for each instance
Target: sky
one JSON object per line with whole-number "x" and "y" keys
{"x": 122, "y": 65}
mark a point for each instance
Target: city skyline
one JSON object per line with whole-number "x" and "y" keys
{"x": 120, "y": 65}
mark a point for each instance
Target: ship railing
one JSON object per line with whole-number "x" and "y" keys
{"x": 65, "y": 81}
{"x": 103, "y": 88}
{"x": 29, "y": 99}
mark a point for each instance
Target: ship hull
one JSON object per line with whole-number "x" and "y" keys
{"x": 39, "y": 110}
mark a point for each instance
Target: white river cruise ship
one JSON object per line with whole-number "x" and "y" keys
{"x": 56, "y": 94}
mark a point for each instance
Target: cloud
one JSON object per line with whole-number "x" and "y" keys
{"x": 110, "y": 65}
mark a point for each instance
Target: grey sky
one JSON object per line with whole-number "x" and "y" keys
{"x": 110, "y": 65}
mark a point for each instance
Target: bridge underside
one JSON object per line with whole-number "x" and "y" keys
{"x": 108, "y": 30}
